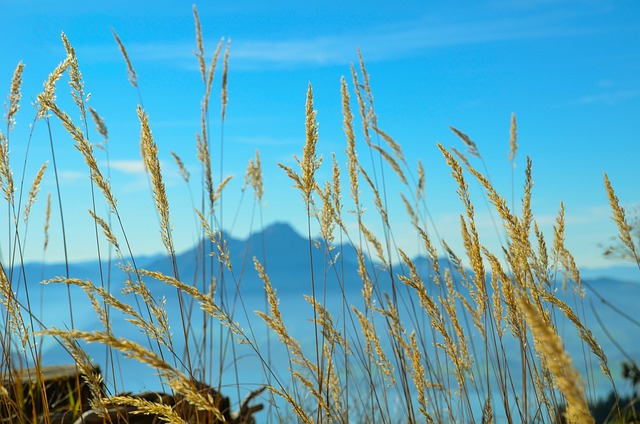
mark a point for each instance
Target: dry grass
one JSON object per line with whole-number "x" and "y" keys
{"x": 416, "y": 345}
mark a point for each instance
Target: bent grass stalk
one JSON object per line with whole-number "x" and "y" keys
{"x": 403, "y": 346}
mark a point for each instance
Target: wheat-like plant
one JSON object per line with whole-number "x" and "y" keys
{"x": 447, "y": 336}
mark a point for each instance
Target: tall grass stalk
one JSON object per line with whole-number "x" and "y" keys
{"x": 429, "y": 338}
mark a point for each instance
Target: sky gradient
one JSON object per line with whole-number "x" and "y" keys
{"x": 569, "y": 70}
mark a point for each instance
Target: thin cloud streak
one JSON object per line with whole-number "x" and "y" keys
{"x": 610, "y": 98}
{"x": 130, "y": 166}
{"x": 379, "y": 44}
{"x": 72, "y": 176}
{"x": 264, "y": 141}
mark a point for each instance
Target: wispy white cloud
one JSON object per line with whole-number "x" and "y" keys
{"x": 128, "y": 166}
{"x": 391, "y": 42}
{"x": 609, "y": 98}
{"x": 599, "y": 214}
{"x": 72, "y": 176}
{"x": 264, "y": 141}
{"x": 529, "y": 5}
{"x": 133, "y": 173}
{"x": 378, "y": 43}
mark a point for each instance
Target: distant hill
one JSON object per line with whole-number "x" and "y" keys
{"x": 285, "y": 255}
{"x": 627, "y": 272}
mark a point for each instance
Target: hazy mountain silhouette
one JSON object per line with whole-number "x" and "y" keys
{"x": 285, "y": 255}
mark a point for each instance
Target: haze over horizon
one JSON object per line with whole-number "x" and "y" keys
{"x": 569, "y": 70}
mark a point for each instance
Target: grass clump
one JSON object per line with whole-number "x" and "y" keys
{"x": 438, "y": 338}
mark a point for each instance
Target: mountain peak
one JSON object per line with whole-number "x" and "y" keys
{"x": 280, "y": 229}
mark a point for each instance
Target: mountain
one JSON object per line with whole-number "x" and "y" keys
{"x": 285, "y": 255}
{"x": 629, "y": 272}
{"x": 282, "y": 252}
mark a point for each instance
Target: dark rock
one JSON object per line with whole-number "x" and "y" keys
{"x": 181, "y": 406}
{"x": 62, "y": 396}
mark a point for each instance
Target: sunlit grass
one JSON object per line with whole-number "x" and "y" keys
{"x": 467, "y": 336}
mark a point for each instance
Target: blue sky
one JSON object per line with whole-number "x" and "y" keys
{"x": 569, "y": 70}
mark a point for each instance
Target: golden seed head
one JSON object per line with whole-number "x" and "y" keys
{"x": 133, "y": 77}
{"x": 14, "y": 96}
{"x": 513, "y": 139}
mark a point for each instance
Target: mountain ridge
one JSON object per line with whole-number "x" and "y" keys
{"x": 282, "y": 251}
